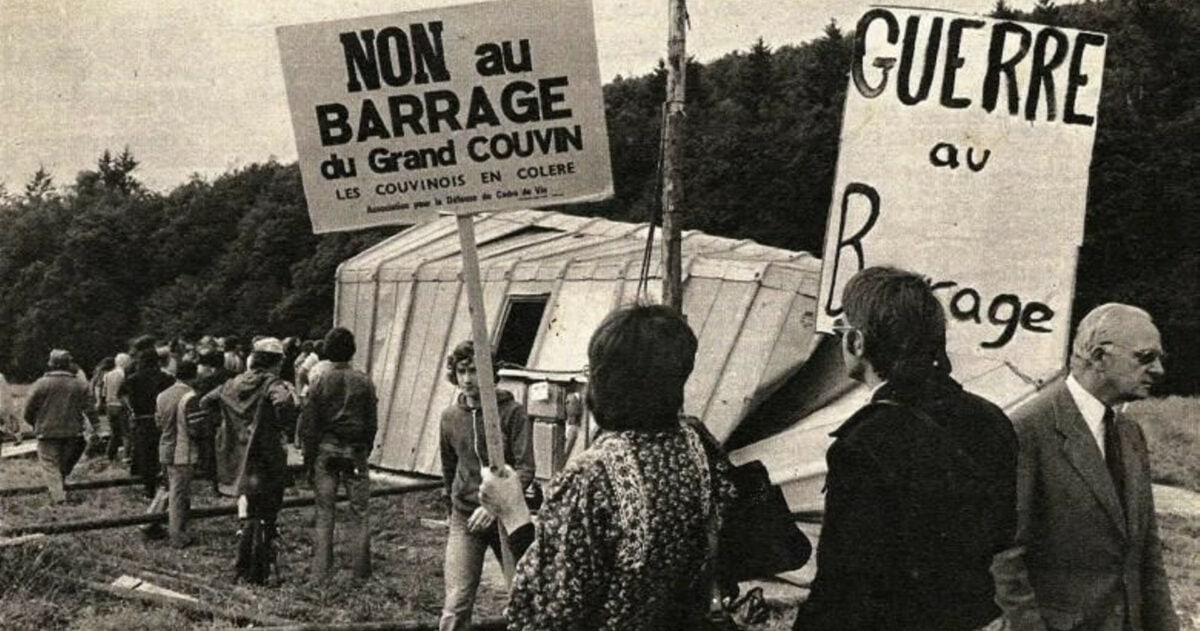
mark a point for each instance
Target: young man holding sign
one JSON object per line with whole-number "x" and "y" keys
{"x": 464, "y": 452}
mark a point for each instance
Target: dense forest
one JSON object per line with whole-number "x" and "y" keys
{"x": 88, "y": 264}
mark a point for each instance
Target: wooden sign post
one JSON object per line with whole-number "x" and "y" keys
{"x": 520, "y": 125}
{"x": 493, "y": 434}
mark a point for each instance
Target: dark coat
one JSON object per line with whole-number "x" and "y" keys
{"x": 910, "y": 523}
{"x": 1081, "y": 561}
{"x": 250, "y": 451}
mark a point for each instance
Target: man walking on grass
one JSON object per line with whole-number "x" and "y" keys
{"x": 179, "y": 417}
{"x": 464, "y": 451}
{"x": 56, "y": 408}
{"x": 258, "y": 413}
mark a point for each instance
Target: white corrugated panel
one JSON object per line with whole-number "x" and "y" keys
{"x": 717, "y": 336}
{"x": 755, "y": 339}
{"x": 571, "y": 318}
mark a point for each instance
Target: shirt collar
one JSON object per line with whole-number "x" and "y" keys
{"x": 1089, "y": 406}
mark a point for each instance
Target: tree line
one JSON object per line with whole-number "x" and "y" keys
{"x": 92, "y": 263}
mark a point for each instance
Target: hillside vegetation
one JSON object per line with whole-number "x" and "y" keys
{"x": 90, "y": 263}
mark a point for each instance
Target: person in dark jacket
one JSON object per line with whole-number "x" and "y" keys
{"x": 210, "y": 374}
{"x": 258, "y": 412}
{"x": 338, "y": 424}
{"x": 921, "y": 488}
{"x": 56, "y": 408}
{"x": 139, "y": 392}
{"x": 464, "y": 451}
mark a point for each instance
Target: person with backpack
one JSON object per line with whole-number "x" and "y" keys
{"x": 258, "y": 413}
{"x": 921, "y": 489}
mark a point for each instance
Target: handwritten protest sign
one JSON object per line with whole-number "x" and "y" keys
{"x": 964, "y": 156}
{"x": 461, "y": 109}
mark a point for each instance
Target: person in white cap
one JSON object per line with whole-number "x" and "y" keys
{"x": 258, "y": 412}
{"x": 56, "y": 408}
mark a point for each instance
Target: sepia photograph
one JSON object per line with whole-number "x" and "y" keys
{"x": 611, "y": 315}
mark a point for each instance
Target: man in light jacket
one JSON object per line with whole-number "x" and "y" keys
{"x": 178, "y": 416}
{"x": 56, "y": 408}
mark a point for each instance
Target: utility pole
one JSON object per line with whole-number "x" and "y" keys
{"x": 672, "y": 259}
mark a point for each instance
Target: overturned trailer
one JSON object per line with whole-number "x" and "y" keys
{"x": 764, "y": 381}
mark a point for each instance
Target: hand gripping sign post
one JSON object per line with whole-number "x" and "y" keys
{"x": 458, "y": 110}
{"x": 964, "y": 156}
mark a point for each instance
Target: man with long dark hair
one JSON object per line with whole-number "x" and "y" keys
{"x": 921, "y": 487}
{"x": 337, "y": 427}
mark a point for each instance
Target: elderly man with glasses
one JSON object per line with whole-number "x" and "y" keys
{"x": 1087, "y": 552}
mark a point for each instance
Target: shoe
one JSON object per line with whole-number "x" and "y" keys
{"x": 183, "y": 541}
{"x": 154, "y": 532}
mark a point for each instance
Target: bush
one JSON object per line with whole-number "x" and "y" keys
{"x": 1172, "y": 427}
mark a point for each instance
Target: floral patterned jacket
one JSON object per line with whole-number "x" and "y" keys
{"x": 623, "y": 540}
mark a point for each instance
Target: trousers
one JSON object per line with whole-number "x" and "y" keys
{"x": 58, "y": 457}
{"x": 343, "y": 465}
{"x": 176, "y": 500}
{"x": 463, "y": 568}
{"x": 118, "y": 425}
{"x": 144, "y": 464}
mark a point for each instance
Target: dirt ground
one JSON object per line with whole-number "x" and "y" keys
{"x": 39, "y": 580}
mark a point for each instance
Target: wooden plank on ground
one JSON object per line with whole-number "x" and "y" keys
{"x": 19, "y": 450}
{"x": 136, "y": 584}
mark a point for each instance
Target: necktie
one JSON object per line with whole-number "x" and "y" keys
{"x": 1112, "y": 454}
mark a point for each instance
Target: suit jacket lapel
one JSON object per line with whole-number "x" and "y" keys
{"x": 1083, "y": 453}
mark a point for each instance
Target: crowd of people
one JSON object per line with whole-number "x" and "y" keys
{"x": 941, "y": 513}
{"x": 218, "y": 412}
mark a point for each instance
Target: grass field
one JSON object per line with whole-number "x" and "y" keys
{"x": 34, "y": 594}
{"x": 36, "y": 590}
{"x": 1172, "y": 427}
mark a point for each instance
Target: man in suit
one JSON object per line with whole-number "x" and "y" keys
{"x": 1087, "y": 554}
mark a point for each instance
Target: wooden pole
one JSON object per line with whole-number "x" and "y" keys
{"x": 673, "y": 154}
{"x": 483, "y": 368}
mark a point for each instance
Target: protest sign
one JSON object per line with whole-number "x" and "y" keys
{"x": 461, "y": 109}
{"x": 964, "y": 156}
